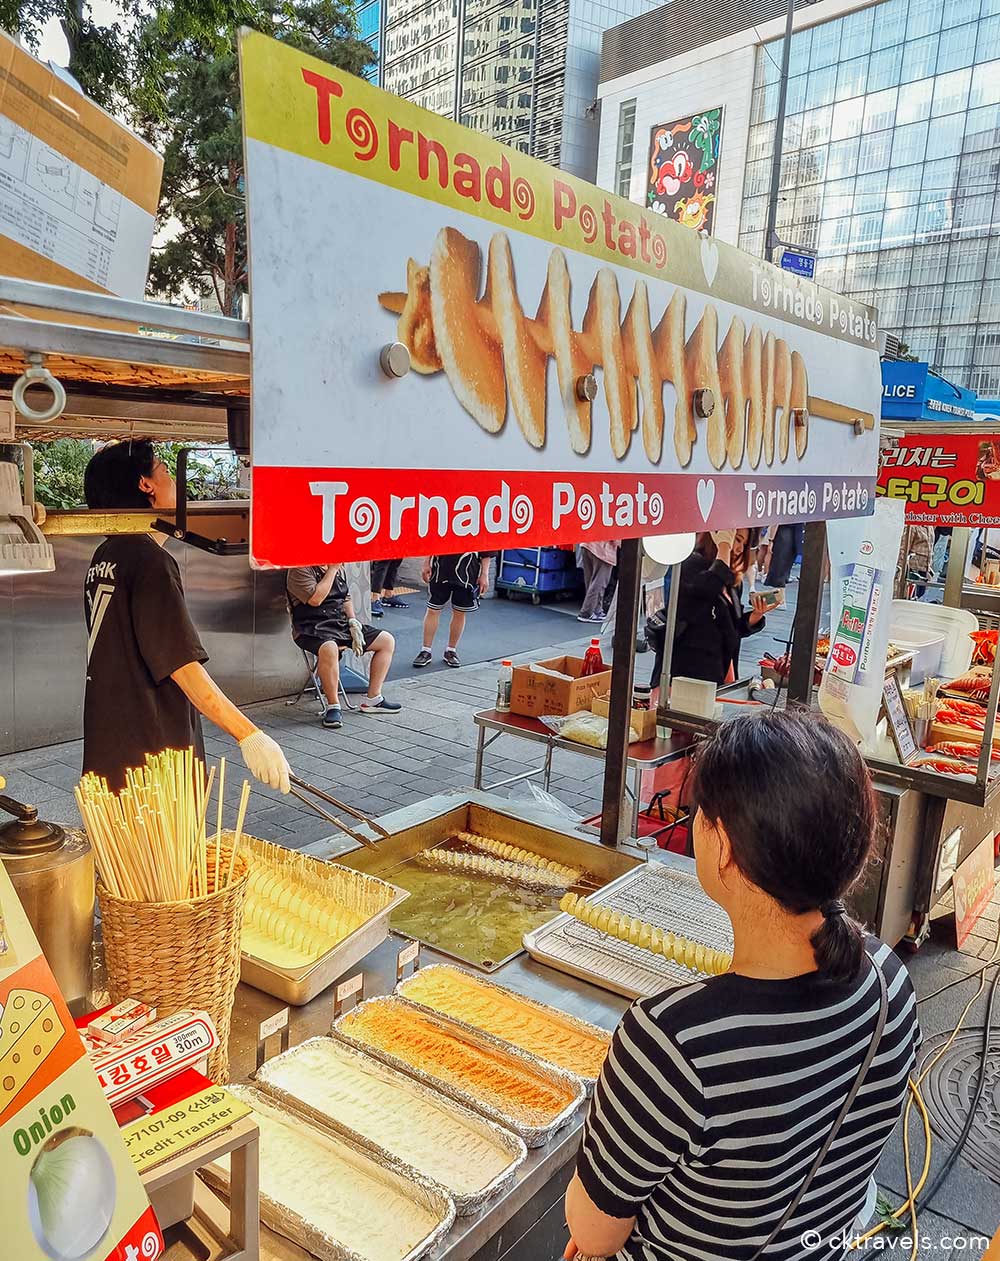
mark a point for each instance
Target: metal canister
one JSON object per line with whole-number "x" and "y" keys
{"x": 52, "y": 871}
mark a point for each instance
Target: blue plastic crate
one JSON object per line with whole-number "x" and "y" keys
{"x": 546, "y": 558}
{"x": 530, "y": 578}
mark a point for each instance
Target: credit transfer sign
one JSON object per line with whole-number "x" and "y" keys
{"x": 578, "y": 367}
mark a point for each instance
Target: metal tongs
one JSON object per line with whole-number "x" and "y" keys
{"x": 341, "y": 805}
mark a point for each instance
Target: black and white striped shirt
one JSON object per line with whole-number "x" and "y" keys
{"x": 716, "y": 1097}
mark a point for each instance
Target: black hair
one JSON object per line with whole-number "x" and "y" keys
{"x": 797, "y": 804}
{"x": 111, "y": 479}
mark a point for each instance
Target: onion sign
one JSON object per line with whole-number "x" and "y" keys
{"x": 71, "y": 1195}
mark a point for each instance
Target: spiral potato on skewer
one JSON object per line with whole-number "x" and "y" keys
{"x": 752, "y": 392}
{"x": 672, "y": 946}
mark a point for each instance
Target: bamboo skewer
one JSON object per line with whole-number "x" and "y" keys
{"x": 238, "y": 834}
{"x": 150, "y": 839}
{"x": 218, "y": 818}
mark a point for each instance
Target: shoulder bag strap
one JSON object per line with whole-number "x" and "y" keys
{"x": 841, "y": 1115}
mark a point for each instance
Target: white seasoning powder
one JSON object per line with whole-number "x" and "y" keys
{"x": 426, "y": 1137}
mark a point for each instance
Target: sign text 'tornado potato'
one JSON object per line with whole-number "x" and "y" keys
{"x": 578, "y": 367}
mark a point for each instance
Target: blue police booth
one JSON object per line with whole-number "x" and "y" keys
{"x": 911, "y": 391}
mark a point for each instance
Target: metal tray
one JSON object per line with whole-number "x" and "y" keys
{"x": 552, "y": 1014}
{"x": 666, "y": 893}
{"x": 293, "y": 1226}
{"x": 428, "y": 823}
{"x": 500, "y": 1137}
{"x": 299, "y": 986}
{"x": 533, "y": 1135}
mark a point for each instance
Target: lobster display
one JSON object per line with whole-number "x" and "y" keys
{"x": 985, "y": 651}
{"x": 975, "y": 683}
{"x": 960, "y": 749}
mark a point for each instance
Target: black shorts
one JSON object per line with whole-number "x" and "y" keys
{"x": 342, "y": 638}
{"x": 462, "y": 597}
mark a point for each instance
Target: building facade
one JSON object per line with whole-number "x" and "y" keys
{"x": 521, "y": 71}
{"x": 891, "y": 149}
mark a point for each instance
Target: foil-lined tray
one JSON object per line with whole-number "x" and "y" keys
{"x": 552, "y": 1014}
{"x": 286, "y": 1221}
{"x": 533, "y": 1135}
{"x": 500, "y": 1137}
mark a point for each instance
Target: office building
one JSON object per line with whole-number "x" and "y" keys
{"x": 524, "y": 72}
{"x": 891, "y": 164}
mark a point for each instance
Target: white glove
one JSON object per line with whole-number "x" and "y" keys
{"x": 724, "y": 536}
{"x": 357, "y": 638}
{"x": 265, "y": 760}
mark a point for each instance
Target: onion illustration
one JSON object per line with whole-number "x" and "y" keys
{"x": 71, "y": 1195}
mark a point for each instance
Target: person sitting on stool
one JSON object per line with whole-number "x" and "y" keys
{"x": 324, "y": 624}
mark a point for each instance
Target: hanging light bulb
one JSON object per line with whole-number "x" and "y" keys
{"x": 669, "y": 549}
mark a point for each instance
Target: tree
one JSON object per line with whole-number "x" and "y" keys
{"x": 170, "y": 69}
{"x": 59, "y": 467}
{"x": 203, "y": 187}
{"x": 122, "y": 65}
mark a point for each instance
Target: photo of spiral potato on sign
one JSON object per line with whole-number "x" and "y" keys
{"x": 751, "y": 394}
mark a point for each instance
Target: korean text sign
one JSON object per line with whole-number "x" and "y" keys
{"x": 727, "y": 392}
{"x": 945, "y": 479}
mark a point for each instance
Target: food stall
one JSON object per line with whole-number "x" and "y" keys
{"x": 934, "y": 762}
{"x": 690, "y": 386}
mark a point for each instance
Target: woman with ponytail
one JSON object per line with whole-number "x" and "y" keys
{"x": 744, "y": 1115}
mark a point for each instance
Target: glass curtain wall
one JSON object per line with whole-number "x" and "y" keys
{"x": 891, "y": 171}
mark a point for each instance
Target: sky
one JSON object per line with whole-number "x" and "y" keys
{"x": 53, "y": 44}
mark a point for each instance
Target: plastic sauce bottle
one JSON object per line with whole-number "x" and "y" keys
{"x": 593, "y": 662}
{"x": 503, "y": 687}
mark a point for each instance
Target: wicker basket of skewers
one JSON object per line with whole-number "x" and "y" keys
{"x": 171, "y": 900}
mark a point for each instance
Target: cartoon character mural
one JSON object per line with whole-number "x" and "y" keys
{"x": 683, "y": 169}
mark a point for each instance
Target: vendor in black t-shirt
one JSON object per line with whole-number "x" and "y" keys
{"x": 146, "y": 679}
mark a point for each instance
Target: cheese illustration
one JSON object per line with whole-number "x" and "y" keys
{"x": 29, "y": 1032}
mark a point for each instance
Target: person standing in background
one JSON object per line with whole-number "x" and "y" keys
{"x": 597, "y": 560}
{"x": 383, "y": 580}
{"x": 459, "y": 579}
{"x": 146, "y": 677}
{"x": 786, "y": 544}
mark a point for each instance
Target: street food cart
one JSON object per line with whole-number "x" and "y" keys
{"x": 454, "y": 346}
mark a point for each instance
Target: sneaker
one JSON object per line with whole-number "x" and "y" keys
{"x": 333, "y": 717}
{"x": 394, "y": 602}
{"x": 377, "y": 608}
{"x": 451, "y": 658}
{"x": 380, "y": 707}
{"x": 423, "y": 658}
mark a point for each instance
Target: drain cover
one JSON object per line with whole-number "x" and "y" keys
{"x": 948, "y": 1093}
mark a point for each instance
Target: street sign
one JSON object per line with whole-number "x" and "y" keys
{"x": 799, "y": 262}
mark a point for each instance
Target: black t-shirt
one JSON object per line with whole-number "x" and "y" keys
{"x": 460, "y": 569}
{"x": 139, "y": 633}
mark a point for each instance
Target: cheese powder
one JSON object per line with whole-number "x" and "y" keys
{"x": 432, "y": 1139}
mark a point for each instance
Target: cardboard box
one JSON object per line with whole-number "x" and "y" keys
{"x": 533, "y": 694}
{"x": 642, "y": 721}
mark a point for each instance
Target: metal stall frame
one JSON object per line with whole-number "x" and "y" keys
{"x": 938, "y": 789}
{"x": 128, "y": 368}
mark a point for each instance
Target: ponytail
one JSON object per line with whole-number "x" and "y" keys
{"x": 839, "y": 943}
{"x": 797, "y": 804}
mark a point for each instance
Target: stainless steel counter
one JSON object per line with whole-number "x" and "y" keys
{"x": 481, "y": 1236}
